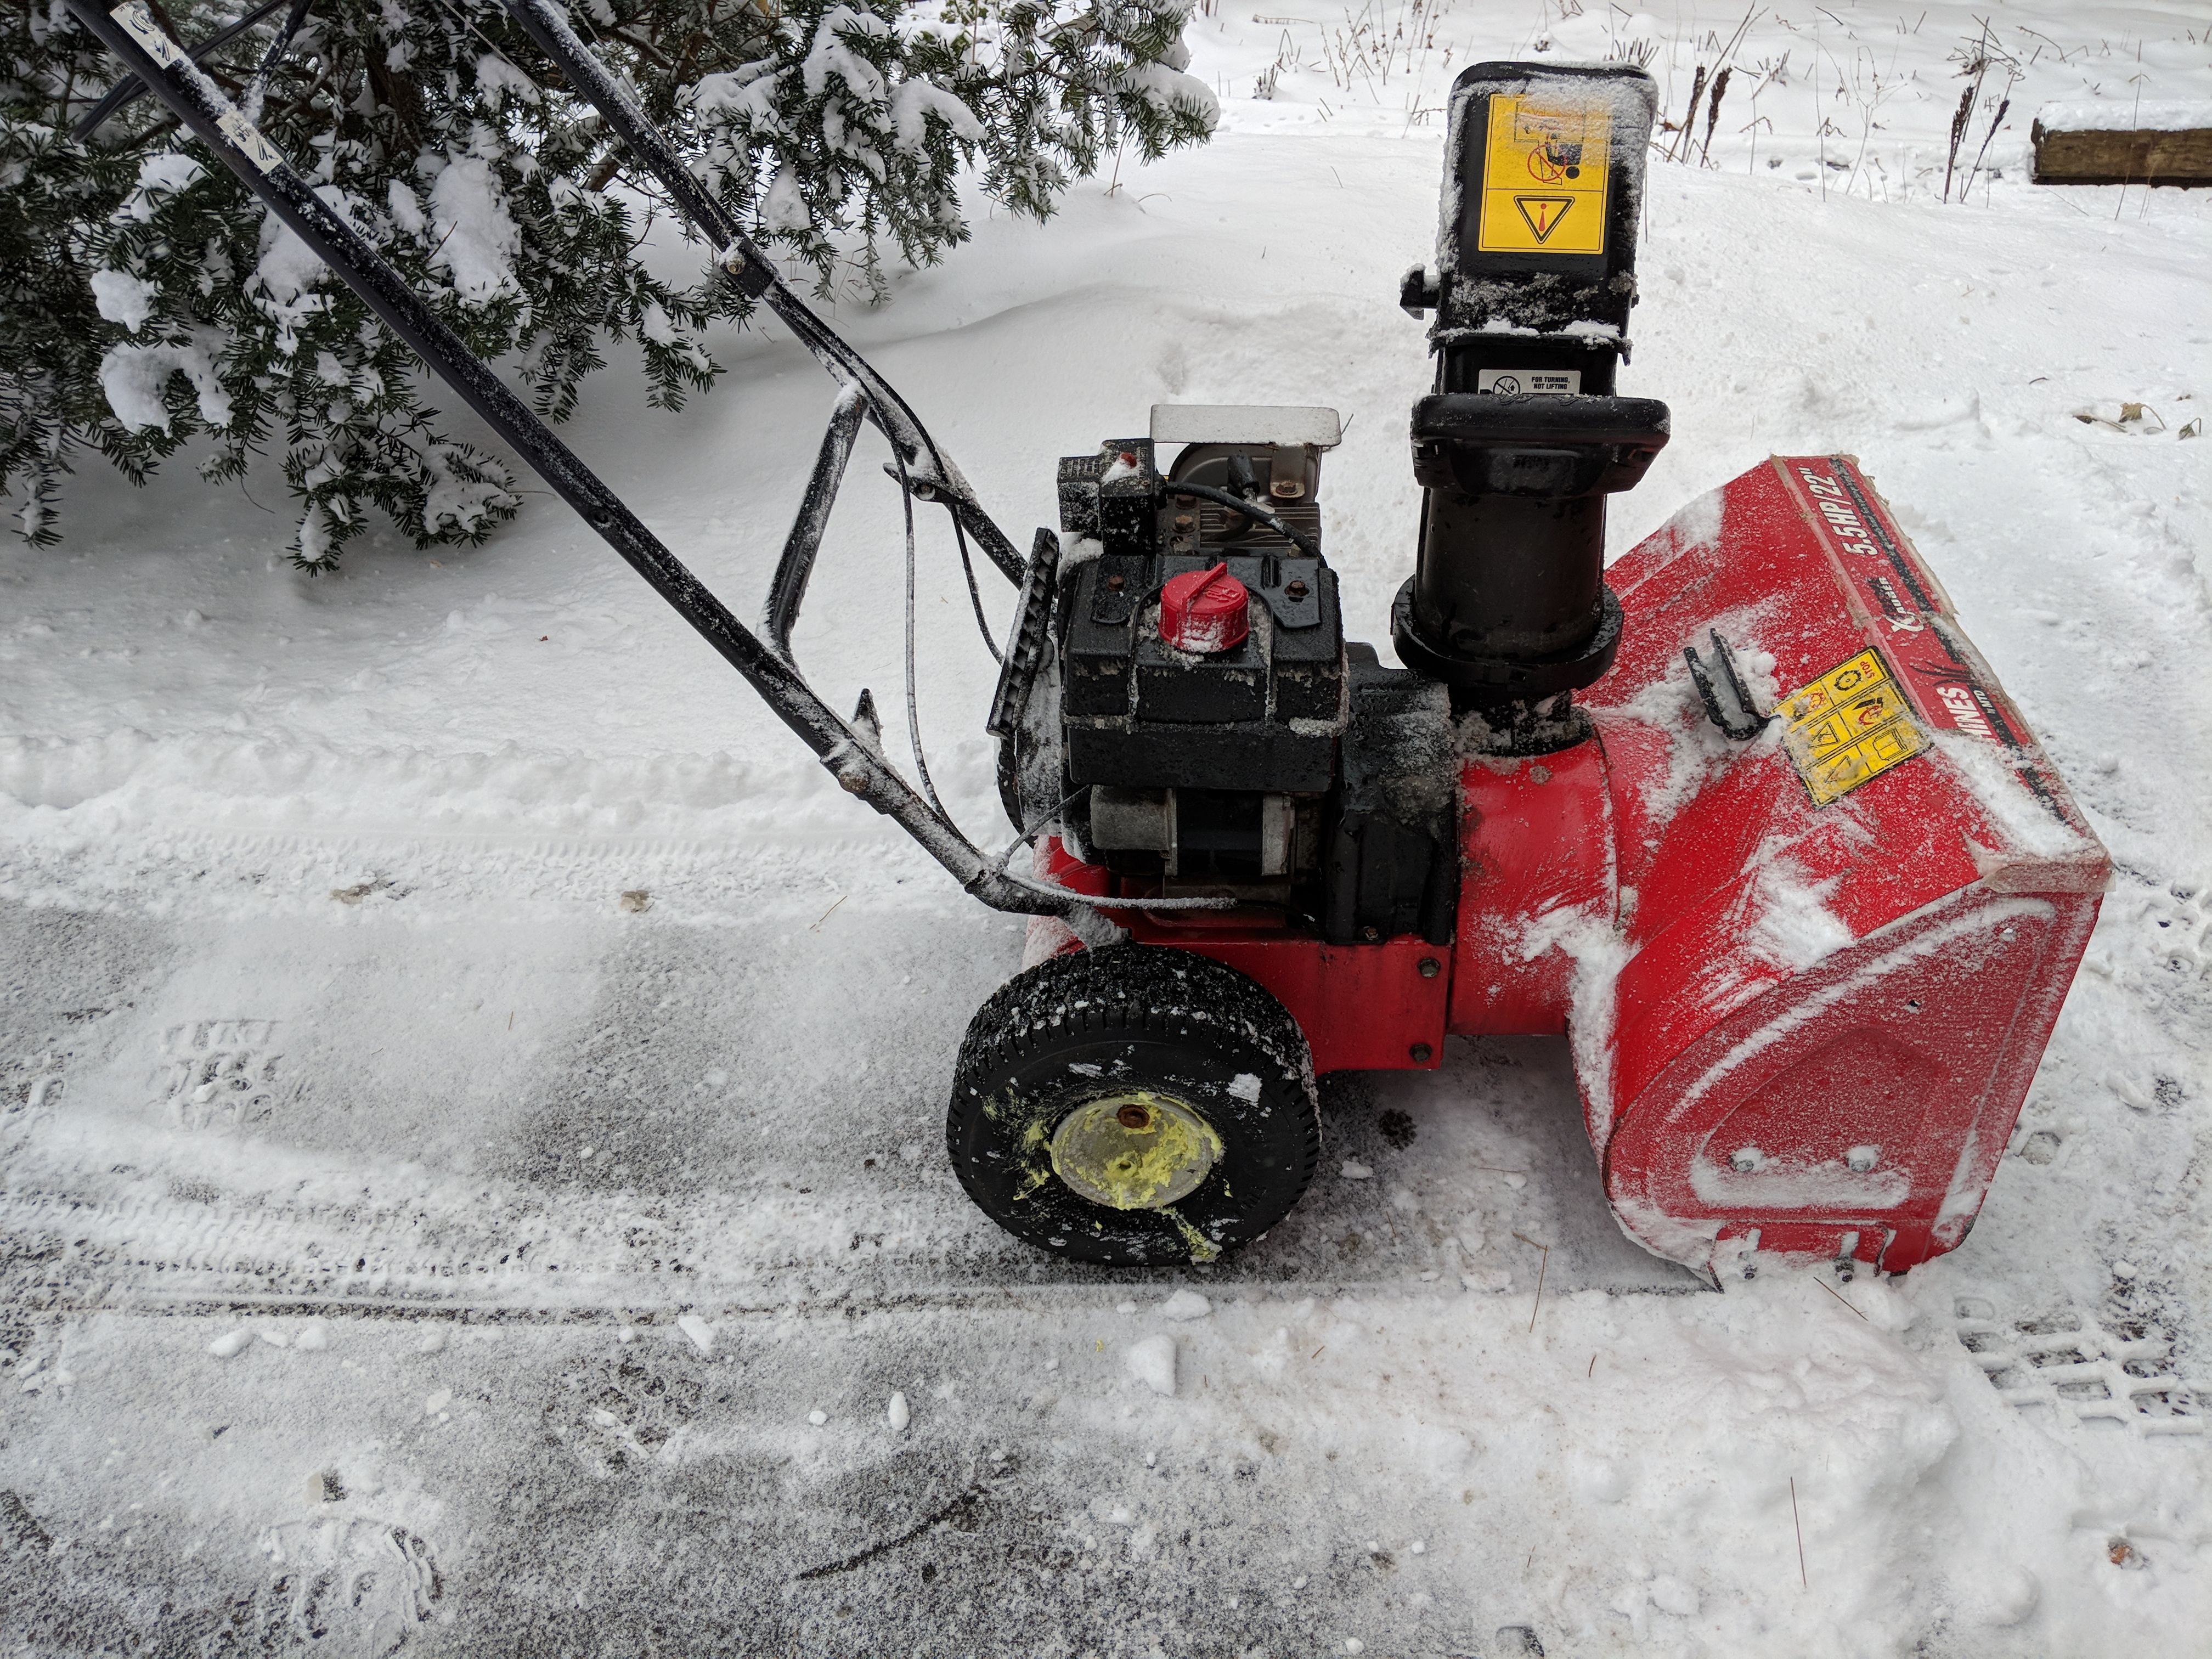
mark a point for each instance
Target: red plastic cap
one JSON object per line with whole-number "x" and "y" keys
{"x": 1202, "y": 611}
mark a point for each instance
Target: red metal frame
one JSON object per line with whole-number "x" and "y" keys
{"x": 1363, "y": 1008}
{"x": 1798, "y": 1029}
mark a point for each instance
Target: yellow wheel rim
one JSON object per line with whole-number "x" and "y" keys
{"x": 1136, "y": 1150}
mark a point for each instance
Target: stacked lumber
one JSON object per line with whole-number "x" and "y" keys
{"x": 2114, "y": 143}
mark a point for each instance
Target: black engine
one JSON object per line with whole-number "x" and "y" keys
{"x": 1283, "y": 768}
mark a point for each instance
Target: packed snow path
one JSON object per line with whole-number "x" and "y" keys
{"x": 413, "y": 1242}
{"x": 554, "y": 1282}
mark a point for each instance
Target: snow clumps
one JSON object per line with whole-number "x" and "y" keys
{"x": 477, "y": 238}
{"x": 1795, "y": 928}
{"x": 122, "y": 298}
{"x": 1185, "y": 1304}
{"x": 134, "y": 377}
{"x": 1152, "y": 1363}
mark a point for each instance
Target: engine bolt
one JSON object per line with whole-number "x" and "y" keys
{"x": 1431, "y": 967}
{"x": 1183, "y": 521}
{"x": 1297, "y": 590}
{"x": 1115, "y": 584}
{"x": 1133, "y": 1116}
{"x": 1420, "y": 1052}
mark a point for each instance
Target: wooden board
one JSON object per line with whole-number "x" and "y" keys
{"x": 2183, "y": 157}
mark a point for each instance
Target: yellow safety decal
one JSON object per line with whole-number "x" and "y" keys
{"x": 1850, "y": 725}
{"x": 1543, "y": 178}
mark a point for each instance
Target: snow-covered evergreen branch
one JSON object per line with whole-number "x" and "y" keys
{"x": 150, "y": 302}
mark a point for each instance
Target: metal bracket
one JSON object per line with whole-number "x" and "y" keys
{"x": 1030, "y": 641}
{"x": 1420, "y": 291}
{"x": 1728, "y": 703}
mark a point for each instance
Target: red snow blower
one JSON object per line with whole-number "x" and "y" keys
{"x": 1745, "y": 817}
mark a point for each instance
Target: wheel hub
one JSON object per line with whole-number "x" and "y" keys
{"x": 1136, "y": 1150}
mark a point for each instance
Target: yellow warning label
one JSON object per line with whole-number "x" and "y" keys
{"x": 1850, "y": 725}
{"x": 1543, "y": 178}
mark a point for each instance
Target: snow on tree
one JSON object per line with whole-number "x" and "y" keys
{"x": 151, "y": 300}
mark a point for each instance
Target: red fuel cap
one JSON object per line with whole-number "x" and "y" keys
{"x": 1202, "y": 611}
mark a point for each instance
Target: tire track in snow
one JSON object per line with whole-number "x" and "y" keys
{"x": 74, "y": 1254}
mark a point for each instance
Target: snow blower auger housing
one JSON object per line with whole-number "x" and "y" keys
{"x": 1746, "y": 817}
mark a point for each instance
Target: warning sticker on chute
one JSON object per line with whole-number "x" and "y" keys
{"x": 1543, "y": 176}
{"x": 1850, "y": 724}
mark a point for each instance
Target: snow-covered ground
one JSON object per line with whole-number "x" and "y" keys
{"x": 411, "y": 1240}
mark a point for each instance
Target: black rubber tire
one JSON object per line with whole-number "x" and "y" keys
{"x": 1148, "y": 1017}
